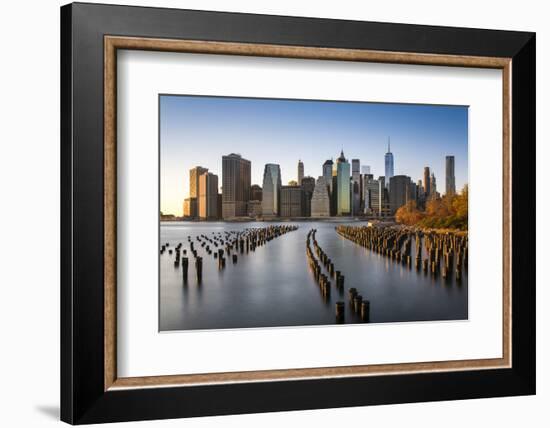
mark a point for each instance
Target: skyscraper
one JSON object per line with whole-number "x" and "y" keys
{"x": 189, "y": 207}
{"x": 413, "y": 192}
{"x": 194, "y": 174}
{"x": 433, "y": 187}
{"x": 208, "y": 196}
{"x": 334, "y": 194}
{"x": 355, "y": 197}
{"x": 383, "y": 198}
{"x": 320, "y": 201}
{"x": 308, "y": 187}
{"x": 343, "y": 206}
{"x": 427, "y": 190}
{"x": 372, "y": 195}
{"x": 355, "y": 167}
{"x": 235, "y": 186}
{"x": 291, "y": 201}
{"x": 450, "y": 188}
{"x": 355, "y": 186}
{"x": 271, "y": 189}
{"x": 365, "y": 196}
{"x": 300, "y": 172}
{"x": 388, "y": 161}
{"x": 327, "y": 173}
{"x": 420, "y": 195}
{"x": 400, "y": 188}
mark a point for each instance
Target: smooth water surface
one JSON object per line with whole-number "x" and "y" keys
{"x": 273, "y": 286}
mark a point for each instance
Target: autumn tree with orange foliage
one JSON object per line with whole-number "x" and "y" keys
{"x": 448, "y": 212}
{"x": 409, "y": 214}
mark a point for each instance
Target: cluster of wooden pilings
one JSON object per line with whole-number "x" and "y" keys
{"x": 359, "y": 305}
{"x": 315, "y": 264}
{"x": 317, "y": 260}
{"x": 443, "y": 251}
{"x": 446, "y": 252}
{"x": 222, "y": 245}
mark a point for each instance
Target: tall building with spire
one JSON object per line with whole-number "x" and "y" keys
{"x": 343, "y": 205}
{"x": 450, "y": 188}
{"x": 300, "y": 172}
{"x": 388, "y": 161}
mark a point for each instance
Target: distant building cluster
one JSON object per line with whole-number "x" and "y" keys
{"x": 343, "y": 189}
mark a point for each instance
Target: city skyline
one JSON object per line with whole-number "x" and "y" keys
{"x": 286, "y": 130}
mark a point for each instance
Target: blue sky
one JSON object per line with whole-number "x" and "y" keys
{"x": 197, "y": 130}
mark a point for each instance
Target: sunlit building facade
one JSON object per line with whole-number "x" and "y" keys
{"x": 208, "y": 196}
{"x": 194, "y": 175}
{"x": 189, "y": 207}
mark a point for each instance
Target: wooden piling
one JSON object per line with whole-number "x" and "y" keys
{"x": 185, "y": 268}
{"x": 340, "y": 311}
{"x": 198, "y": 266}
{"x": 357, "y": 301}
{"x": 365, "y": 311}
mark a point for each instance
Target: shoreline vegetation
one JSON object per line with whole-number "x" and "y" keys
{"x": 449, "y": 212}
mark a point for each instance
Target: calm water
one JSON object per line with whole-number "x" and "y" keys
{"x": 274, "y": 286}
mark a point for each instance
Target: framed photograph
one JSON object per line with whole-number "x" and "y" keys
{"x": 316, "y": 212}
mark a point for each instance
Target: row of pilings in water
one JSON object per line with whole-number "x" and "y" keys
{"x": 445, "y": 251}
{"x": 317, "y": 258}
{"x": 222, "y": 245}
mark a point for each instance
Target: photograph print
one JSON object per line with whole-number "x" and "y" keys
{"x": 290, "y": 212}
